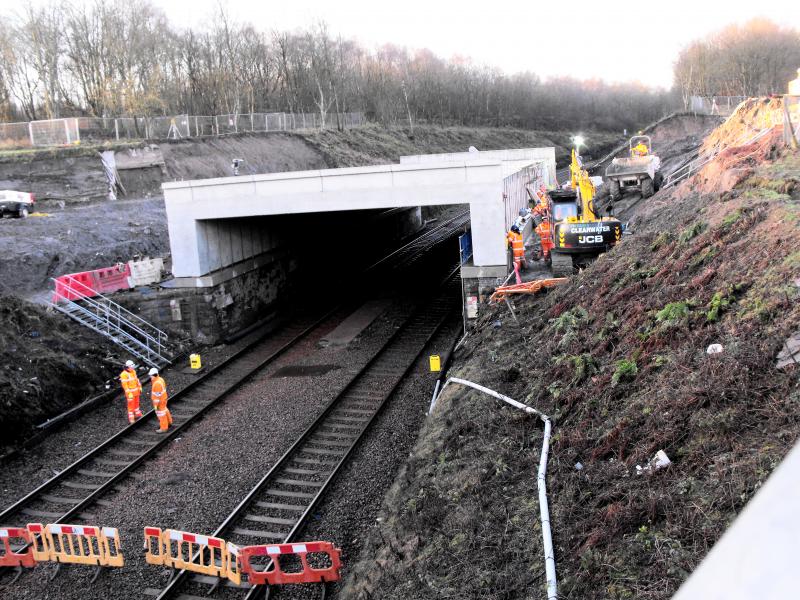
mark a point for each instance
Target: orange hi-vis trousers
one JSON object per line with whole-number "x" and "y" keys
{"x": 158, "y": 395}
{"x": 133, "y": 406}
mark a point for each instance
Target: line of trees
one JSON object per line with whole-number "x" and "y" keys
{"x": 754, "y": 59}
{"x": 123, "y": 58}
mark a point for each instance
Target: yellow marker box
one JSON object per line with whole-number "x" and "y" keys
{"x": 436, "y": 363}
{"x": 194, "y": 361}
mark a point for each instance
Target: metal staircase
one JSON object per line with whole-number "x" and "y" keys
{"x": 90, "y": 308}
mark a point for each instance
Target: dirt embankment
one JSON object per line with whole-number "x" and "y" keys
{"x": 618, "y": 358}
{"x": 376, "y": 145}
{"x": 47, "y": 364}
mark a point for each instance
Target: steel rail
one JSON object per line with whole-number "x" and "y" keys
{"x": 105, "y": 487}
{"x": 173, "y": 587}
{"x": 73, "y": 468}
{"x": 134, "y": 427}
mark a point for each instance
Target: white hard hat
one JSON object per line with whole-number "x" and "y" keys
{"x": 129, "y": 364}
{"x": 153, "y": 371}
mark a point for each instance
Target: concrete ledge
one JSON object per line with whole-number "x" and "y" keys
{"x": 470, "y": 271}
{"x": 222, "y": 275}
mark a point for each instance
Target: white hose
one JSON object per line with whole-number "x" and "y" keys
{"x": 541, "y": 484}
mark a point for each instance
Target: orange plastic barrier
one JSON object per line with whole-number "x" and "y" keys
{"x": 182, "y": 550}
{"x": 233, "y": 569}
{"x": 9, "y": 558}
{"x": 276, "y": 575}
{"x": 530, "y": 287}
{"x": 76, "y": 544}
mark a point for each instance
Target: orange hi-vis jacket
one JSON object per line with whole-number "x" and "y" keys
{"x": 639, "y": 150}
{"x": 543, "y": 231}
{"x": 517, "y": 244}
{"x": 158, "y": 392}
{"x": 130, "y": 383}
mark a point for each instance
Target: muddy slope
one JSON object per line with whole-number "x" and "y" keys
{"x": 211, "y": 157}
{"x": 618, "y": 358}
{"x": 47, "y": 365}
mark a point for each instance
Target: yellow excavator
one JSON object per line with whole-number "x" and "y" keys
{"x": 580, "y": 235}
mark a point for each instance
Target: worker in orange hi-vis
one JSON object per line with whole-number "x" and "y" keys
{"x": 132, "y": 389}
{"x": 546, "y": 242}
{"x": 158, "y": 394}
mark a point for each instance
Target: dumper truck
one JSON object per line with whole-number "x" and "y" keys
{"x": 640, "y": 170}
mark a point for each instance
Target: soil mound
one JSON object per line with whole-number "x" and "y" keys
{"x": 750, "y": 117}
{"x": 619, "y": 358}
{"x": 48, "y": 364}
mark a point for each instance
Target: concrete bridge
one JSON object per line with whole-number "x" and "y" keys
{"x": 211, "y": 223}
{"x": 231, "y": 235}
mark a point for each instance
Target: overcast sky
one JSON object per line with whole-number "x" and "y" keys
{"x": 617, "y": 40}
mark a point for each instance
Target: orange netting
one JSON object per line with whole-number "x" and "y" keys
{"x": 529, "y": 287}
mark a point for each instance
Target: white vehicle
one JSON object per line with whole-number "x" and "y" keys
{"x": 16, "y": 204}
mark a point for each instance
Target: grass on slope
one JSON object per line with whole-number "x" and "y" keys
{"x": 618, "y": 357}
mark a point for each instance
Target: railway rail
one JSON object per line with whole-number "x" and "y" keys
{"x": 278, "y": 506}
{"x": 66, "y": 496}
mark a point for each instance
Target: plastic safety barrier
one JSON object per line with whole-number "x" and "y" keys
{"x": 112, "y": 279}
{"x": 182, "y": 550}
{"x": 233, "y": 569}
{"x": 276, "y": 575}
{"x": 10, "y": 558}
{"x": 76, "y": 544}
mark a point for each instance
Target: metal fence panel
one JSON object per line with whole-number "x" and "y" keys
{"x": 715, "y": 105}
{"x": 59, "y": 132}
{"x": 55, "y": 132}
{"x": 15, "y": 135}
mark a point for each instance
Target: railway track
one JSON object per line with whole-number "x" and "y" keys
{"x": 63, "y": 497}
{"x": 278, "y": 506}
{"x": 66, "y": 496}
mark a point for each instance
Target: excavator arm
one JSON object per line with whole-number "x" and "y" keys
{"x": 582, "y": 183}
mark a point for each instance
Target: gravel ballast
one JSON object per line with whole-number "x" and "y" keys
{"x": 208, "y": 470}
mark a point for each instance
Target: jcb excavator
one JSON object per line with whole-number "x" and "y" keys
{"x": 579, "y": 234}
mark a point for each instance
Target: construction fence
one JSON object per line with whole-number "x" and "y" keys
{"x": 715, "y": 105}
{"x": 74, "y": 130}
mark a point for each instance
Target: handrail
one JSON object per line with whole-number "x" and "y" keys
{"x": 111, "y": 319}
{"x": 123, "y": 338}
{"x": 109, "y": 316}
{"x": 95, "y": 293}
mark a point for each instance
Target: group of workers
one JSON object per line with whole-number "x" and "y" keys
{"x": 158, "y": 395}
{"x": 541, "y": 217}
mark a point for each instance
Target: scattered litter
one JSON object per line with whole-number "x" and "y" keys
{"x": 497, "y": 324}
{"x": 714, "y": 349}
{"x": 659, "y": 461}
{"x": 578, "y": 466}
{"x": 790, "y": 353}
